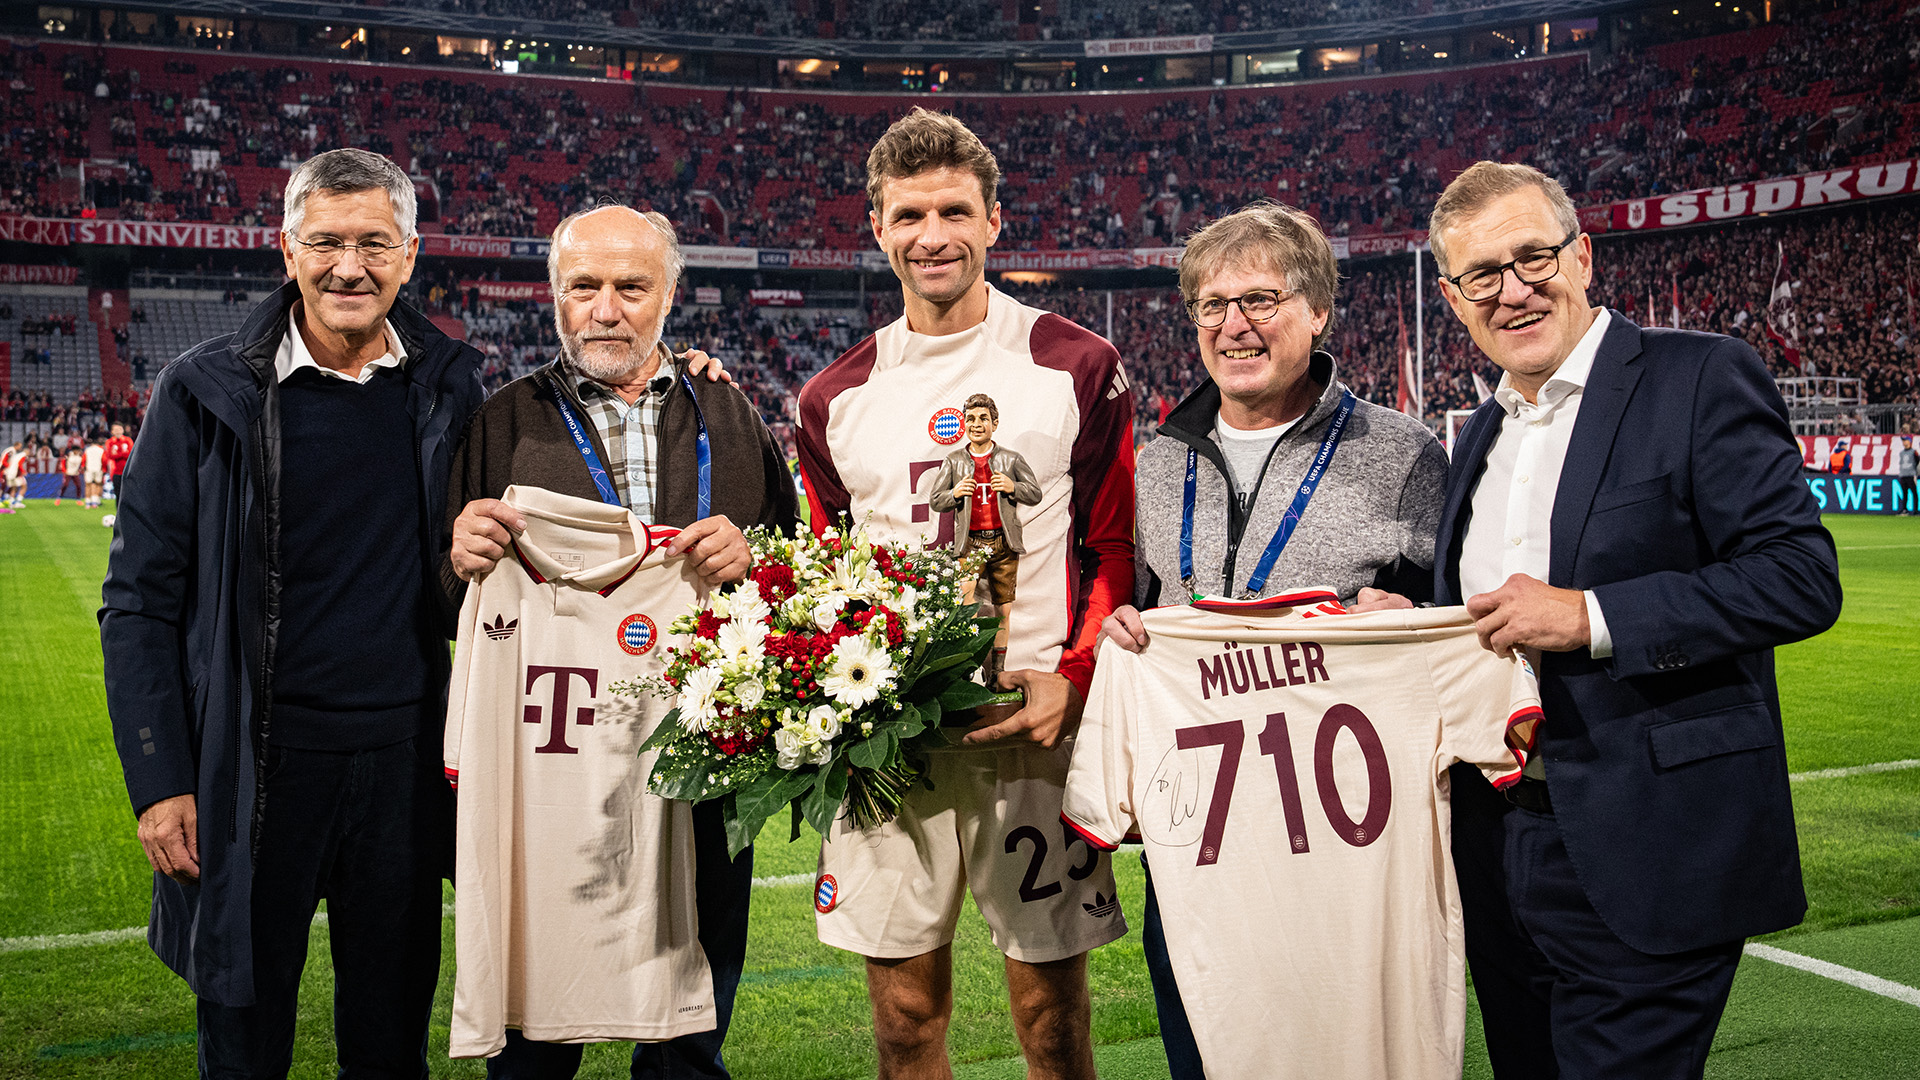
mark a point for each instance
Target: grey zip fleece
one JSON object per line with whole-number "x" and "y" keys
{"x": 1371, "y": 522}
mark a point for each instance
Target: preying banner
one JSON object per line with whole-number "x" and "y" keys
{"x": 27, "y": 274}
{"x": 537, "y": 291}
{"x": 1766, "y": 196}
{"x": 1867, "y": 455}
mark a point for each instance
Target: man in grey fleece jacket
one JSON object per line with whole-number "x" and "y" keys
{"x": 1258, "y": 285}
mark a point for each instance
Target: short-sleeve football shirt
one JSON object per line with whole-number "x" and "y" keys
{"x": 1286, "y": 770}
{"x": 574, "y": 908}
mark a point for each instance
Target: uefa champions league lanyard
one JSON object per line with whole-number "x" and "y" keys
{"x": 702, "y": 452}
{"x": 1336, "y": 428}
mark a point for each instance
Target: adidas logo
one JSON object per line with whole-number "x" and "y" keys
{"x": 500, "y": 629}
{"x": 1120, "y": 383}
{"x": 1102, "y": 906}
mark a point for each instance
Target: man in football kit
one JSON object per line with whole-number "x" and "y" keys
{"x": 119, "y": 449}
{"x": 94, "y": 458}
{"x": 1627, "y": 509}
{"x": 70, "y": 474}
{"x": 985, "y": 483}
{"x": 13, "y": 469}
{"x": 874, "y": 428}
{"x": 1259, "y": 286}
{"x": 615, "y": 419}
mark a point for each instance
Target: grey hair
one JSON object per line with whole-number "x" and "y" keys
{"x": 348, "y": 170}
{"x": 676, "y": 259}
{"x": 1483, "y": 182}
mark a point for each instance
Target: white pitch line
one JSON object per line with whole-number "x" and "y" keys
{"x": 1855, "y": 770}
{"x": 1875, "y": 547}
{"x": 43, "y": 942}
{"x": 1873, "y": 984}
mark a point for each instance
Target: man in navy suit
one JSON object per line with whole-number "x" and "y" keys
{"x": 1627, "y": 511}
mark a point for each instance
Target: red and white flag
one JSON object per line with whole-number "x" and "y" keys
{"x": 1409, "y": 397}
{"x": 1783, "y": 324}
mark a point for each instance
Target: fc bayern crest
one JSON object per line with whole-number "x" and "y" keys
{"x": 945, "y": 426}
{"x": 826, "y": 893}
{"x": 637, "y": 634}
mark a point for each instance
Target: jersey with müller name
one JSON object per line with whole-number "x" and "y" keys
{"x": 876, "y": 425}
{"x": 1285, "y": 766}
{"x": 573, "y": 905}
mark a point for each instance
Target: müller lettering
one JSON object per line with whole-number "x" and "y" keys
{"x": 1241, "y": 671}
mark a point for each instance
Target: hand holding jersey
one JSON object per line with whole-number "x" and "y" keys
{"x": 1287, "y": 773}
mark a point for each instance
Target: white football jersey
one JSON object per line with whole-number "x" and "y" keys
{"x": 1286, "y": 770}
{"x": 877, "y": 423}
{"x": 574, "y": 908}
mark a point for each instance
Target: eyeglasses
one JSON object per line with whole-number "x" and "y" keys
{"x": 332, "y": 249}
{"x": 1536, "y": 267}
{"x": 1258, "y": 305}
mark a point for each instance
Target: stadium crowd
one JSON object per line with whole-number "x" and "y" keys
{"x": 967, "y": 20}
{"x": 749, "y": 168}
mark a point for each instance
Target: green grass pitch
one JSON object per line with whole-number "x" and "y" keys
{"x": 69, "y": 865}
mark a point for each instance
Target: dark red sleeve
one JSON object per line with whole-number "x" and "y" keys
{"x": 827, "y": 498}
{"x": 1101, "y": 563}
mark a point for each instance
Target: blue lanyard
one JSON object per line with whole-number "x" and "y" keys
{"x": 1335, "y": 429}
{"x": 703, "y": 452}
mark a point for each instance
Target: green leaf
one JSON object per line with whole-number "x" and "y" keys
{"x": 690, "y": 784}
{"x": 741, "y": 827}
{"x": 668, "y": 731}
{"x": 966, "y": 695}
{"x": 870, "y": 752}
{"x": 914, "y": 720}
{"x": 821, "y": 806}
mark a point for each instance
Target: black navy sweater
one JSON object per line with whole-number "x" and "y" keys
{"x": 351, "y": 670}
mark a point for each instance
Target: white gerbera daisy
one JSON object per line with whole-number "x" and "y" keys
{"x": 741, "y": 641}
{"x": 857, "y": 670}
{"x": 697, "y": 706}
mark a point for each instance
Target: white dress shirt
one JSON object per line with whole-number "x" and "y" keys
{"x": 294, "y": 355}
{"x": 1511, "y": 527}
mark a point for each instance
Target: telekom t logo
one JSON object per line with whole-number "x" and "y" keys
{"x": 923, "y": 511}
{"x": 562, "y": 682}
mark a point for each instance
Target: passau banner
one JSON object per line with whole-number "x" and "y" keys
{"x": 1767, "y": 196}
{"x": 25, "y": 274}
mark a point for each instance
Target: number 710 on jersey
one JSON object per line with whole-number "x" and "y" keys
{"x": 1275, "y": 742}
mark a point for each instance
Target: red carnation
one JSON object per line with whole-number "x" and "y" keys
{"x": 709, "y": 627}
{"x": 734, "y": 742}
{"x": 775, "y": 581}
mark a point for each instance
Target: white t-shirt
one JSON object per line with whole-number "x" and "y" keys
{"x": 96, "y": 457}
{"x": 1246, "y": 451}
{"x": 574, "y": 907}
{"x": 1287, "y": 772}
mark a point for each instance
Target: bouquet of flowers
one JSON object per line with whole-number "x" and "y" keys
{"x": 819, "y": 682}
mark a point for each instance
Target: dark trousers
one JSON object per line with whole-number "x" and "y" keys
{"x": 723, "y": 889}
{"x": 370, "y": 832}
{"x": 1176, "y": 1034}
{"x": 1560, "y": 994}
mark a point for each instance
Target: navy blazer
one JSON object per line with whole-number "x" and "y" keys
{"x": 1682, "y": 507}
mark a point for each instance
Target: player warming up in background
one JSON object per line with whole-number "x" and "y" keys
{"x": 875, "y": 428}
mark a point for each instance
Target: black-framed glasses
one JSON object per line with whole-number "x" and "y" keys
{"x": 1258, "y": 305}
{"x": 1536, "y": 267}
{"x": 333, "y": 249}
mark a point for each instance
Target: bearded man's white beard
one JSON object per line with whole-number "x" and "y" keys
{"x": 606, "y": 370}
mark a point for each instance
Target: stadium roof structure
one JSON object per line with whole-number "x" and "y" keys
{"x": 468, "y": 24}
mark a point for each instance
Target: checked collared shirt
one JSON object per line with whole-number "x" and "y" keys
{"x": 631, "y": 433}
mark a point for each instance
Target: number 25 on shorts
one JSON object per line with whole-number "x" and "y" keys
{"x": 1275, "y": 743}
